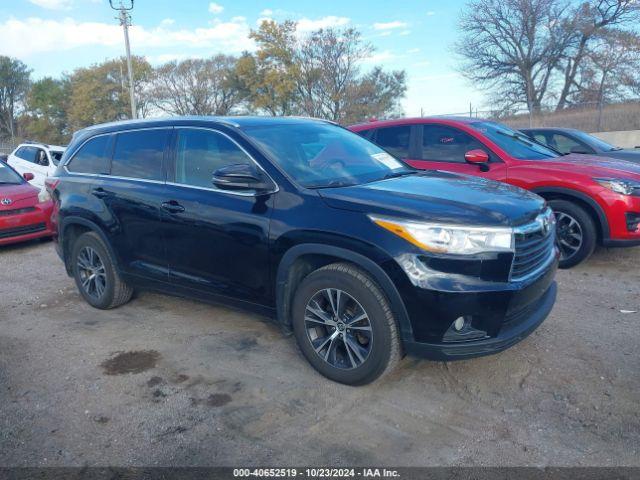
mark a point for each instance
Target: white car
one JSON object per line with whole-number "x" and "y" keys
{"x": 37, "y": 158}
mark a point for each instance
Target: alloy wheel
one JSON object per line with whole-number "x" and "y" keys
{"x": 569, "y": 233}
{"x": 338, "y": 328}
{"x": 91, "y": 270}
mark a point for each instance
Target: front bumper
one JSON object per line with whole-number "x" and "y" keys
{"x": 506, "y": 312}
{"x": 513, "y": 332}
{"x": 30, "y": 225}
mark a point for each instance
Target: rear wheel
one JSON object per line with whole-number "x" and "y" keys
{"x": 576, "y": 232}
{"x": 344, "y": 325}
{"x": 95, "y": 274}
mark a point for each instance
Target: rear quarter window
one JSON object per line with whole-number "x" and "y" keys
{"x": 92, "y": 157}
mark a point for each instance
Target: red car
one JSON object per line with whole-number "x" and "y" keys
{"x": 596, "y": 199}
{"x": 25, "y": 210}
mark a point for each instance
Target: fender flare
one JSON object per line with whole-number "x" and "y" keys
{"x": 283, "y": 292}
{"x": 602, "y": 217}
{"x": 94, "y": 227}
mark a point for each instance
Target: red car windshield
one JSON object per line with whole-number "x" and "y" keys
{"x": 9, "y": 176}
{"x": 515, "y": 143}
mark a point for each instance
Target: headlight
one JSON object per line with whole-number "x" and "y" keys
{"x": 454, "y": 239}
{"x": 43, "y": 195}
{"x": 625, "y": 187}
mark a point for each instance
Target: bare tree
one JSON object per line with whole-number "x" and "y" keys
{"x": 328, "y": 69}
{"x": 196, "y": 87}
{"x": 513, "y": 47}
{"x": 583, "y": 26}
{"x": 609, "y": 68}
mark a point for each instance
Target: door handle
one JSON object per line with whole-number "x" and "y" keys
{"x": 100, "y": 192}
{"x": 172, "y": 207}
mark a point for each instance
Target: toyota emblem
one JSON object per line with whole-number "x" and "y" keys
{"x": 6, "y": 201}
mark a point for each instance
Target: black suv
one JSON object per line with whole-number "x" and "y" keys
{"x": 363, "y": 258}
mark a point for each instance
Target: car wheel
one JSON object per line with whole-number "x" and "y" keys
{"x": 576, "y": 232}
{"x": 94, "y": 272}
{"x": 344, "y": 325}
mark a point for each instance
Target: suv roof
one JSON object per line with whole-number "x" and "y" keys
{"x": 230, "y": 121}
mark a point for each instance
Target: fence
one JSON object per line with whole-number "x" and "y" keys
{"x": 6, "y": 148}
{"x": 589, "y": 117}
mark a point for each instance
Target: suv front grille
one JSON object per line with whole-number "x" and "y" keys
{"x": 534, "y": 246}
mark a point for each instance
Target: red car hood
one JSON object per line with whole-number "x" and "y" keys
{"x": 592, "y": 165}
{"x": 18, "y": 194}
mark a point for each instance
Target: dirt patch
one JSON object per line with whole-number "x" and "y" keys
{"x": 213, "y": 400}
{"x": 154, "y": 381}
{"x": 130, "y": 362}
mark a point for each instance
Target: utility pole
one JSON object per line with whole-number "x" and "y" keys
{"x": 125, "y": 20}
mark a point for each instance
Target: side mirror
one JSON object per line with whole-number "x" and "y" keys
{"x": 478, "y": 157}
{"x": 28, "y": 176}
{"x": 578, "y": 149}
{"x": 241, "y": 176}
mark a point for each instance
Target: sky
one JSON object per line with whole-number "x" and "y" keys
{"x": 56, "y": 36}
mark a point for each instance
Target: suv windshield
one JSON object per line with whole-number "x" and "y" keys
{"x": 318, "y": 155}
{"x": 515, "y": 143}
{"x": 9, "y": 176}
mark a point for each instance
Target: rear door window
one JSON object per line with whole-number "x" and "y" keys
{"x": 92, "y": 158}
{"x": 139, "y": 154}
{"x": 395, "y": 140}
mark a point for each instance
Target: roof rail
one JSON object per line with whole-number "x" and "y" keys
{"x": 32, "y": 142}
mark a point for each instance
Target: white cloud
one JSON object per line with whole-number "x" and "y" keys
{"x": 215, "y": 8}
{"x": 389, "y": 25}
{"x": 380, "y": 57}
{"x": 22, "y": 38}
{"x": 267, "y": 12}
{"x": 167, "y": 22}
{"x": 306, "y": 25}
{"x": 413, "y": 50}
{"x": 53, "y": 4}
{"x": 430, "y": 13}
{"x": 405, "y": 33}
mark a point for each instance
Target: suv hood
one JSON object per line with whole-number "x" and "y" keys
{"x": 438, "y": 196}
{"x": 592, "y": 165}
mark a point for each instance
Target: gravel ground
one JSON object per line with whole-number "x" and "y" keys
{"x": 167, "y": 381}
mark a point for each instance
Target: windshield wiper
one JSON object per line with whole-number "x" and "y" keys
{"x": 332, "y": 184}
{"x": 397, "y": 174}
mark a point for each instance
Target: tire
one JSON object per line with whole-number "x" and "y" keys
{"x": 566, "y": 211}
{"x": 357, "y": 356}
{"x": 108, "y": 292}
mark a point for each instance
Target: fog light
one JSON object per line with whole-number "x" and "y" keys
{"x": 458, "y": 325}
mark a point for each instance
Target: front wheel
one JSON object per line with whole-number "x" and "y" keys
{"x": 344, "y": 325}
{"x": 576, "y": 232}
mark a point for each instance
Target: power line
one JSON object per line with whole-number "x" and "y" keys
{"x": 124, "y": 17}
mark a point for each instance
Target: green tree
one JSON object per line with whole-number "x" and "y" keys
{"x": 317, "y": 75}
{"x": 14, "y": 85}
{"x": 268, "y": 78}
{"x": 99, "y": 94}
{"x": 46, "y": 120}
